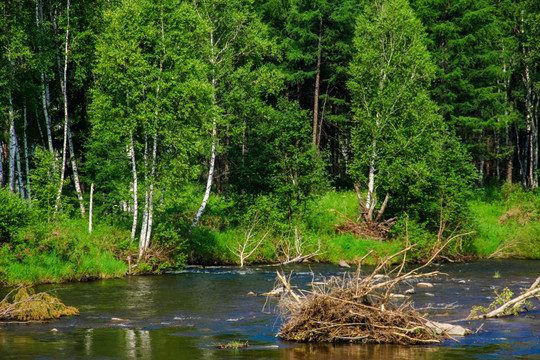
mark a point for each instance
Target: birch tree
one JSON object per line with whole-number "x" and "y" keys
{"x": 234, "y": 34}
{"x": 148, "y": 50}
{"x": 393, "y": 115}
{"x": 14, "y": 65}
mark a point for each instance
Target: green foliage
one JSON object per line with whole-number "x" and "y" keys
{"x": 14, "y": 215}
{"x": 298, "y": 169}
{"x": 57, "y": 252}
{"x": 502, "y": 298}
{"x": 400, "y": 144}
{"x": 411, "y": 96}
{"x": 393, "y": 115}
{"x": 45, "y": 181}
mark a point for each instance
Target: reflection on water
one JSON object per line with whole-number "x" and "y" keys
{"x": 351, "y": 351}
{"x": 182, "y": 316}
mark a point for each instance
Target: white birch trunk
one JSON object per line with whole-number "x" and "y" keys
{"x": 211, "y": 170}
{"x": 63, "y": 84}
{"x": 91, "y": 212}
{"x": 19, "y": 170}
{"x": 12, "y": 134}
{"x": 75, "y": 170}
{"x": 135, "y": 187}
{"x": 144, "y": 227}
{"x": 150, "y": 212}
{"x": 208, "y": 182}
{"x": 68, "y": 142}
{"x": 151, "y": 195}
{"x": 146, "y": 231}
{"x": 45, "y": 91}
{"x": 531, "y": 121}
{"x": 371, "y": 177}
{"x": 46, "y": 105}
{"x": 27, "y": 158}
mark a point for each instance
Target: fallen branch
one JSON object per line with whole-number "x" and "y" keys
{"x": 511, "y": 307}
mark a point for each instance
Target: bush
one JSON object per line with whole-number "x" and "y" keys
{"x": 14, "y": 215}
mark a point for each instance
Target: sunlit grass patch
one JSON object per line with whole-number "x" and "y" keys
{"x": 508, "y": 226}
{"x": 352, "y": 249}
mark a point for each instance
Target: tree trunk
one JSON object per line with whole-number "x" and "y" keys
{"x": 144, "y": 227}
{"x": 63, "y": 84}
{"x": 45, "y": 91}
{"x": 531, "y": 121}
{"x": 146, "y": 232}
{"x": 522, "y": 158}
{"x": 75, "y": 170}
{"x": 151, "y": 195}
{"x": 91, "y": 213}
{"x": 27, "y": 158}
{"x": 481, "y": 171}
{"x": 12, "y": 134}
{"x": 534, "y": 138}
{"x": 135, "y": 187}
{"x": 510, "y": 160}
{"x": 317, "y": 86}
{"x": 371, "y": 177}
{"x": 21, "y": 187}
{"x": 323, "y": 112}
{"x": 214, "y": 138}
{"x": 42, "y": 138}
{"x": 46, "y": 105}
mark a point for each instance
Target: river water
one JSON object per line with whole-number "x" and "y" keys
{"x": 183, "y": 315}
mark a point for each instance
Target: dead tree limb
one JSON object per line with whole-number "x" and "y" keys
{"x": 512, "y": 306}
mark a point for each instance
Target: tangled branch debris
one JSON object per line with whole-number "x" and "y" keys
{"x": 358, "y": 309}
{"x": 26, "y": 305}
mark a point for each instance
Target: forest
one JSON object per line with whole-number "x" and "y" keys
{"x": 141, "y": 135}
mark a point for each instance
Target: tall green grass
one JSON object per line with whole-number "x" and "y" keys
{"x": 507, "y": 223}
{"x": 60, "y": 252}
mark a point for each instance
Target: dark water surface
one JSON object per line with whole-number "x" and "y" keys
{"x": 181, "y": 316}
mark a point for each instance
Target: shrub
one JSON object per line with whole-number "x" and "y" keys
{"x": 14, "y": 215}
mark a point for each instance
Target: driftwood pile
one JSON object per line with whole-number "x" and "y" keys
{"x": 24, "y": 304}
{"x": 356, "y": 308}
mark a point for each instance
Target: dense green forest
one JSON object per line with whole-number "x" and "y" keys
{"x": 228, "y": 131}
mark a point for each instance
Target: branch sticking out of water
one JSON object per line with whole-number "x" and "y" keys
{"x": 508, "y": 305}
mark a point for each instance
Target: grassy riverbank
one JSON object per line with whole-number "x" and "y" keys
{"x": 505, "y": 221}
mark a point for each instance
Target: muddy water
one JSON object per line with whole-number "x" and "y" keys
{"x": 181, "y": 316}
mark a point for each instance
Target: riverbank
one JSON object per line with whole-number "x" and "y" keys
{"x": 505, "y": 224}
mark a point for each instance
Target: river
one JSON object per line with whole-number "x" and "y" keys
{"x": 183, "y": 315}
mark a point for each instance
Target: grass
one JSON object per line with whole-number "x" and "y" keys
{"x": 63, "y": 252}
{"x": 508, "y": 225}
{"x": 506, "y": 221}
